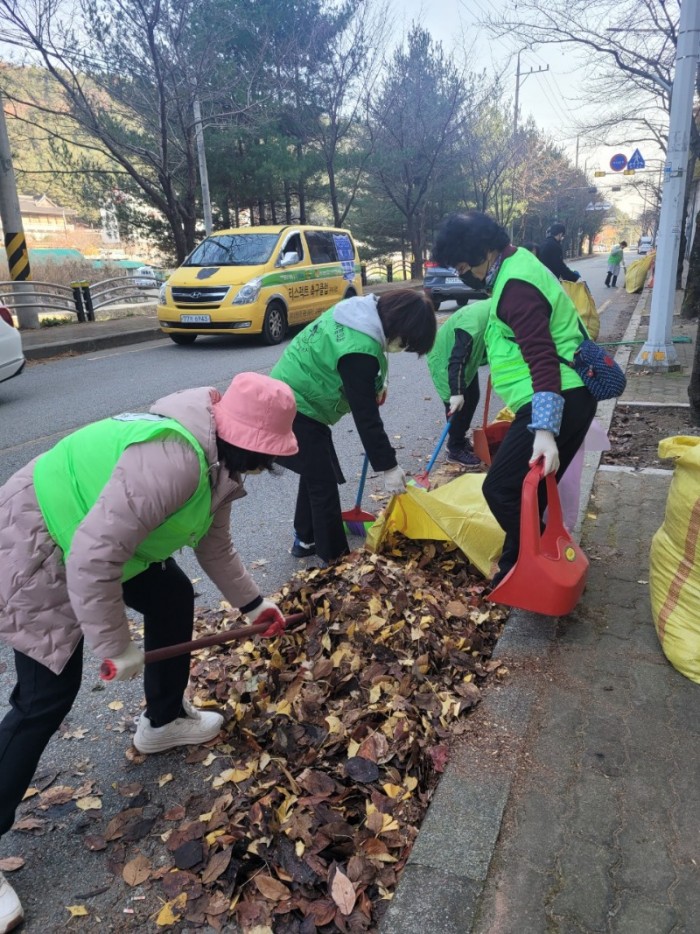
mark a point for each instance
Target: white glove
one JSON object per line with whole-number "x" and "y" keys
{"x": 395, "y": 480}
{"x": 544, "y": 446}
{"x": 129, "y": 663}
{"x": 259, "y": 610}
{"x": 456, "y": 403}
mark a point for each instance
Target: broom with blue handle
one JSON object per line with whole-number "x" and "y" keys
{"x": 356, "y": 520}
{"x": 422, "y": 479}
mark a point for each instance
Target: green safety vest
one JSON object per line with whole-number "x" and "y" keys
{"x": 309, "y": 366}
{"x": 69, "y": 479}
{"x": 472, "y": 319}
{"x": 510, "y": 374}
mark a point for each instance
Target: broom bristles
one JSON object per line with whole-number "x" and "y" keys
{"x": 358, "y": 528}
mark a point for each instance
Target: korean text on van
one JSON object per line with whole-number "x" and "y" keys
{"x": 259, "y": 280}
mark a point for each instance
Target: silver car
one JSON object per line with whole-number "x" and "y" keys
{"x": 11, "y": 355}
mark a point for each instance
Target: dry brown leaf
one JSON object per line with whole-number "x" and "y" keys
{"x": 11, "y": 863}
{"x": 271, "y": 888}
{"x": 136, "y": 871}
{"x": 343, "y": 892}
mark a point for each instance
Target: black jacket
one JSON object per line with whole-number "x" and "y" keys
{"x": 552, "y": 256}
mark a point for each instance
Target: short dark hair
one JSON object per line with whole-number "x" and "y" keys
{"x": 239, "y": 460}
{"x": 532, "y": 247}
{"x": 467, "y": 238}
{"x": 408, "y": 315}
{"x": 623, "y": 243}
{"x": 556, "y": 228}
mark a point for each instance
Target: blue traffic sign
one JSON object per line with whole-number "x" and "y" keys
{"x": 636, "y": 160}
{"x": 618, "y": 162}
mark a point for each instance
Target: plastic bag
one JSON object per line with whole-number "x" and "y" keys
{"x": 456, "y": 511}
{"x": 580, "y": 295}
{"x": 636, "y": 272}
{"x": 570, "y": 483}
{"x": 674, "y": 572}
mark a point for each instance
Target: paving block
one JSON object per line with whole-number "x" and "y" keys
{"x": 429, "y": 901}
{"x": 586, "y": 896}
{"x": 638, "y": 915}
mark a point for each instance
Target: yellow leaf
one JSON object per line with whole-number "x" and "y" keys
{"x": 375, "y": 606}
{"x": 164, "y": 779}
{"x": 326, "y": 642}
{"x": 166, "y": 915}
{"x": 115, "y": 705}
{"x": 410, "y": 782}
{"x": 353, "y": 746}
{"x": 392, "y": 791}
{"x": 30, "y": 792}
{"x": 299, "y": 848}
{"x": 201, "y": 702}
{"x": 334, "y": 724}
{"x": 77, "y": 911}
{"x": 89, "y": 803}
{"x": 375, "y": 693}
{"x": 284, "y": 708}
{"x": 211, "y": 837}
{"x": 209, "y": 759}
{"x": 264, "y": 761}
{"x": 388, "y": 823}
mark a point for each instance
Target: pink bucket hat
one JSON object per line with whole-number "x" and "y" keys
{"x": 256, "y": 413}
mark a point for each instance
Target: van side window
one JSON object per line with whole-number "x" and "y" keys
{"x": 294, "y": 245}
{"x": 321, "y": 246}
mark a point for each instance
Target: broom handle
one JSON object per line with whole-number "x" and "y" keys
{"x": 487, "y": 401}
{"x": 438, "y": 446}
{"x": 217, "y": 638}
{"x": 363, "y": 480}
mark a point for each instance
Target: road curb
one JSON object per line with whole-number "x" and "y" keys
{"x": 81, "y": 345}
{"x": 446, "y": 872}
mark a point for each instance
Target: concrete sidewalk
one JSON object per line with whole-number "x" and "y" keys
{"x": 141, "y": 325}
{"x": 573, "y": 804}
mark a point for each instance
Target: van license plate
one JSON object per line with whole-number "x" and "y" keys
{"x": 195, "y": 319}
{"x": 453, "y": 280}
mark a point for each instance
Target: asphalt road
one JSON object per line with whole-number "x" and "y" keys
{"x": 55, "y": 397}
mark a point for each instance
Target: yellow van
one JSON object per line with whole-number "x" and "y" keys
{"x": 259, "y": 280}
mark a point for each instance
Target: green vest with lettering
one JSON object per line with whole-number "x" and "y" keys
{"x": 472, "y": 319}
{"x": 309, "y": 366}
{"x": 510, "y": 374}
{"x": 69, "y": 479}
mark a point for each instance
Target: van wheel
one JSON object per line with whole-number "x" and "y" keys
{"x": 351, "y": 293}
{"x": 183, "y": 339}
{"x": 275, "y": 323}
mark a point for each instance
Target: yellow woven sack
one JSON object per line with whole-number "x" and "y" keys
{"x": 455, "y": 511}
{"x": 636, "y": 273}
{"x": 674, "y": 572}
{"x": 580, "y": 295}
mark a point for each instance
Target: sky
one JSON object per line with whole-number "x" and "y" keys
{"x": 554, "y": 98}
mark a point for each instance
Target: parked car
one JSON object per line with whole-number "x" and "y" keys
{"x": 11, "y": 355}
{"x": 147, "y": 277}
{"x": 644, "y": 245}
{"x": 443, "y": 284}
{"x": 259, "y": 280}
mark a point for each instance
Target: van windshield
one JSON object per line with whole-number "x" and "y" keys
{"x": 233, "y": 250}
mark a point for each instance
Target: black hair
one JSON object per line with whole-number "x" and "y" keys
{"x": 623, "y": 244}
{"x": 468, "y": 238}
{"x": 532, "y": 247}
{"x": 239, "y": 460}
{"x": 408, "y": 315}
{"x": 555, "y": 229}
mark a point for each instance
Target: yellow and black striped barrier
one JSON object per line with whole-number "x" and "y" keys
{"x": 17, "y": 256}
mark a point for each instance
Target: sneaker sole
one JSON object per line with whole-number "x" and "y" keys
{"x": 13, "y": 923}
{"x": 148, "y": 749}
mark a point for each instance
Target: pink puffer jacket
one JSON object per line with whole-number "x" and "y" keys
{"x": 46, "y": 605}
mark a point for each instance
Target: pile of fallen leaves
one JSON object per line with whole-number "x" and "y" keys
{"x": 335, "y": 735}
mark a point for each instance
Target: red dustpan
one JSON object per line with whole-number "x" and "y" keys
{"x": 550, "y": 573}
{"x": 487, "y": 439}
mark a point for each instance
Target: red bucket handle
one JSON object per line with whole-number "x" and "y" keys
{"x": 530, "y": 537}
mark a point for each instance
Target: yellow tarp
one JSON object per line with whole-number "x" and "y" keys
{"x": 456, "y": 511}
{"x": 580, "y": 295}
{"x": 636, "y": 272}
{"x": 674, "y": 572}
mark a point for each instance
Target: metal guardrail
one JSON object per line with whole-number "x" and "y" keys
{"x": 376, "y": 270}
{"x": 80, "y": 298}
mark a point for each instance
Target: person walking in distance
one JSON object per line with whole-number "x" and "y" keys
{"x": 90, "y": 527}
{"x": 615, "y": 260}
{"x": 551, "y": 254}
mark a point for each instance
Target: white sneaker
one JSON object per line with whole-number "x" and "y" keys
{"x": 11, "y": 913}
{"x": 199, "y": 726}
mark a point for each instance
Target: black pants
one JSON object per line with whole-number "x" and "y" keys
{"x": 41, "y": 699}
{"x": 457, "y": 435}
{"x": 317, "y": 517}
{"x": 504, "y": 481}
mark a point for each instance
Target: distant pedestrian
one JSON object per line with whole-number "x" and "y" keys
{"x": 454, "y": 362}
{"x": 551, "y": 254}
{"x": 532, "y": 247}
{"x": 615, "y": 260}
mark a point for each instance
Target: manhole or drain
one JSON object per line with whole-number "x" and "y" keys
{"x": 635, "y": 433}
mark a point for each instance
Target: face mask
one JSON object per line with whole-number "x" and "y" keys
{"x": 395, "y": 346}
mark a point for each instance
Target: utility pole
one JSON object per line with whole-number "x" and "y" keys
{"x": 658, "y": 352}
{"x": 203, "y": 174}
{"x": 518, "y": 83}
{"x": 15, "y": 242}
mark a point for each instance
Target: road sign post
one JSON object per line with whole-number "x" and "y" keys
{"x": 658, "y": 352}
